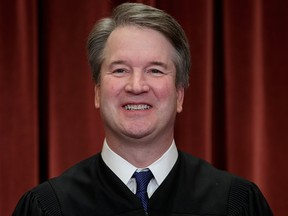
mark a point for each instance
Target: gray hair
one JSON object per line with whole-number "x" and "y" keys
{"x": 145, "y": 16}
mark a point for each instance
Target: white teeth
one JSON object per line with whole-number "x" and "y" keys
{"x": 137, "y": 107}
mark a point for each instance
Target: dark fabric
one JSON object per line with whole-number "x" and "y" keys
{"x": 41, "y": 201}
{"x": 193, "y": 187}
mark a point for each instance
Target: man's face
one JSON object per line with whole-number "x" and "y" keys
{"x": 137, "y": 96}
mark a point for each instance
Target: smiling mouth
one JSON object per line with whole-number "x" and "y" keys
{"x": 137, "y": 107}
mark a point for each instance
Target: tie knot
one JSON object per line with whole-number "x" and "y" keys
{"x": 142, "y": 179}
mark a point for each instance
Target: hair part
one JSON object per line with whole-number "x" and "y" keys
{"x": 138, "y": 14}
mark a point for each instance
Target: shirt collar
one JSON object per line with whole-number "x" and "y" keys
{"x": 124, "y": 170}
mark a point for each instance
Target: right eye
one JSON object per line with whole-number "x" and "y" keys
{"x": 119, "y": 72}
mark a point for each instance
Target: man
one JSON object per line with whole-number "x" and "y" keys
{"x": 140, "y": 62}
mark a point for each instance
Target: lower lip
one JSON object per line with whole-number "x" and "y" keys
{"x": 137, "y": 111}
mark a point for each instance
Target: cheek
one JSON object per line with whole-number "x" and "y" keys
{"x": 111, "y": 88}
{"x": 166, "y": 92}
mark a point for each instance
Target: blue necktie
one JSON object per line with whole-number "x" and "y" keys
{"x": 142, "y": 179}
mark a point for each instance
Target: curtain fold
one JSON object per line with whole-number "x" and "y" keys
{"x": 194, "y": 126}
{"x": 235, "y": 109}
{"x": 18, "y": 101}
{"x": 73, "y": 125}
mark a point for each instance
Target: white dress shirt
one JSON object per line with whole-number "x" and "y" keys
{"x": 124, "y": 170}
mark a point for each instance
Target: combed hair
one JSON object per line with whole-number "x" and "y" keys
{"x": 138, "y": 14}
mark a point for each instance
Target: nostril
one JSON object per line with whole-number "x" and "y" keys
{"x": 137, "y": 87}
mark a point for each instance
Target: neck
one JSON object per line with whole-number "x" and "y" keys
{"x": 139, "y": 152}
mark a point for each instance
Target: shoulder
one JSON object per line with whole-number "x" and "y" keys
{"x": 201, "y": 169}
{"x": 84, "y": 166}
{"x": 45, "y": 198}
{"x": 39, "y": 201}
{"x": 80, "y": 173}
{"x": 242, "y": 196}
{"x": 246, "y": 197}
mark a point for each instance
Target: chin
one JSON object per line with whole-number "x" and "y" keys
{"x": 142, "y": 134}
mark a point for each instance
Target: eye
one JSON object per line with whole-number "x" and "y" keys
{"x": 156, "y": 72}
{"x": 119, "y": 72}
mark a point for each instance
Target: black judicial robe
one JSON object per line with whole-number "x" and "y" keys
{"x": 193, "y": 187}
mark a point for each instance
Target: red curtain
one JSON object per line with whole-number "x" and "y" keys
{"x": 18, "y": 101}
{"x": 235, "y": 110}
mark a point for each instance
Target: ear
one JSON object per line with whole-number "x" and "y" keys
{"x": 97, "y": 96}
{"x": 180, "y": 99}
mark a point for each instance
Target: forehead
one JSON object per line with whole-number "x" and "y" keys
{"x": 138, "y": 42}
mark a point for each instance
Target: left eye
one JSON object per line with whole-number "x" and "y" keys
{"x": 156, "y": 72}
{"x": 120, "y": 70}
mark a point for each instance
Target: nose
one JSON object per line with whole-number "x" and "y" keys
{"x": 137, "y": 83}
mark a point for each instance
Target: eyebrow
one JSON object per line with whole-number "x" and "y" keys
{"x": 156, "y": 63}
{"x": 117, "y": 62}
